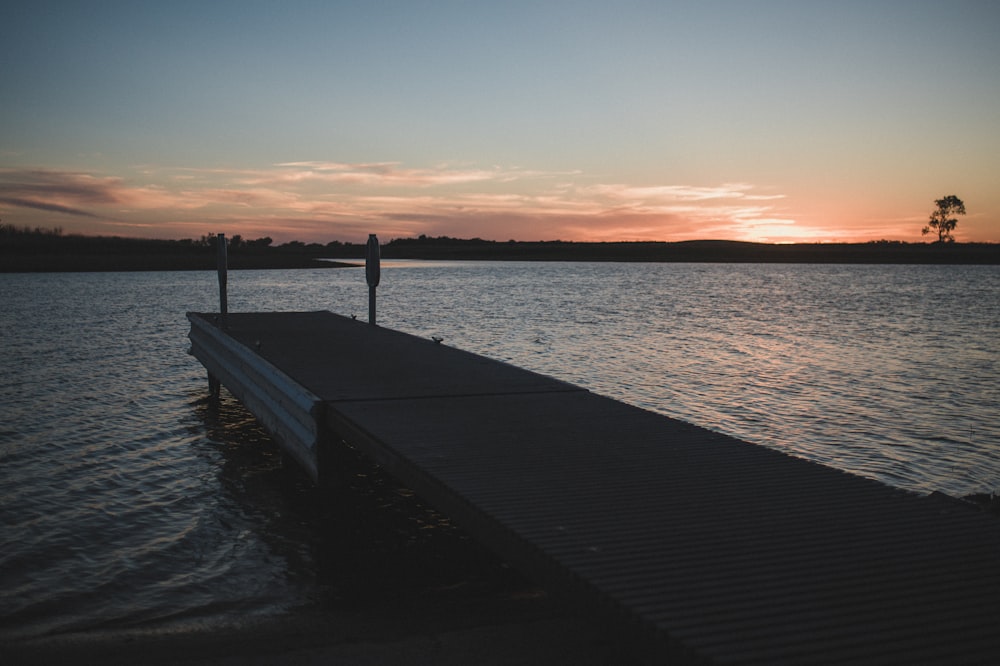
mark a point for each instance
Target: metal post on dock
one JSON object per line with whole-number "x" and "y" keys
{"x": 223, "y": 262}
{"x": 373, "y": 270}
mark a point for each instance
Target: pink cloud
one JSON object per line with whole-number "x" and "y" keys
{"x": 672, "y": 193}
{"x": 380, "y": 174}
{"x": 57, "y": 191}
{"x": 333, "y": 200}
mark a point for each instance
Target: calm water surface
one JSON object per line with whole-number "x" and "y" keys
{"x": 127, "y": 499}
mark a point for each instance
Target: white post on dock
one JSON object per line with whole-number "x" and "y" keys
{"x": 223, "y": 263}
{"x": 373, "y": 271}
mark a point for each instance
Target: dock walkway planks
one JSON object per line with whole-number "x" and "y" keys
{"x": 708, "y": 547}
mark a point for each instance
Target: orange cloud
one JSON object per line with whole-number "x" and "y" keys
{"x": 333, "y": 200}
{"x": 384, "y": 174}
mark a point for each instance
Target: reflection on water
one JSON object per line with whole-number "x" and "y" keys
{"x": 128, "y": 499}
{"x": 124, "y": 531}
{"x": 873, "y": 369}
{"x": 209, "y": 523}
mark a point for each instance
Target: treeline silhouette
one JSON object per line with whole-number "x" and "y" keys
{"x": 25, "y": 249}
{"x": 36, "y": 249}
{"x": 883, "y": 251}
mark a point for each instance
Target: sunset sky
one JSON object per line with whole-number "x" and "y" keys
{"x": 767, "y": 120}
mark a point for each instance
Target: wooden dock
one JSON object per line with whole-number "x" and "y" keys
{"x": 701, "y": 546}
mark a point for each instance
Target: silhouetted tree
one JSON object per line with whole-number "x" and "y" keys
{"x": 260, "y": 243}
{"x": 942, "y": 220}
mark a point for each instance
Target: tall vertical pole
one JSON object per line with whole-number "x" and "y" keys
{"x": 223, "y": 262}
{"x": 373, "y": 273}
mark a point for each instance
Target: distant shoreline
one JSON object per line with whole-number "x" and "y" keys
{"x": 706, "y": 251}
{"x": 52, "y": 252}
{"x": 95, "y": 263}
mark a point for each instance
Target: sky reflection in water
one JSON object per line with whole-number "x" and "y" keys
{"x": 126, "y": 498}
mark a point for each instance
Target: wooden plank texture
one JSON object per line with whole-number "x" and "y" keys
{"x": 709, "y": 547}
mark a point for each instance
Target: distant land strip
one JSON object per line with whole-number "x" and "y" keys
{"x": 877, "y": 252}
{"x": 60, "y": 263}
{"x": 39, "y": 250}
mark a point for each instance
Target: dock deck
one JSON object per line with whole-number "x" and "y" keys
{"x": 704, "y": 546}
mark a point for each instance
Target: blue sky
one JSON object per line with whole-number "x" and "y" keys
{"x": 770, "y": 121}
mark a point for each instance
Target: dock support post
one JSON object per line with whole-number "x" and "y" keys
{"x": 373, "y": 270}
{"x": 337, "y": 464}
{"x": 214, "y": 386}
{"x": 223, "y": 264}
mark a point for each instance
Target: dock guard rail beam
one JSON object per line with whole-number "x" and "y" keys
{"x": 289, "y": 412}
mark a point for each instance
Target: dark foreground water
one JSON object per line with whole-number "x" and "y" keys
{"x": 128, "y": 499}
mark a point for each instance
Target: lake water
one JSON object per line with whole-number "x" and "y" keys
{"x": 127, "y": 499}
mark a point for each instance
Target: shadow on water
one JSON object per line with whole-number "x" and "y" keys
{"x": 368, "y": 541}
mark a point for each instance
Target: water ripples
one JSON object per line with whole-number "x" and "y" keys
{"x": 130, "y": 499}
{"x": 868, "y": 368}
{"x": 109, "y": 492}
